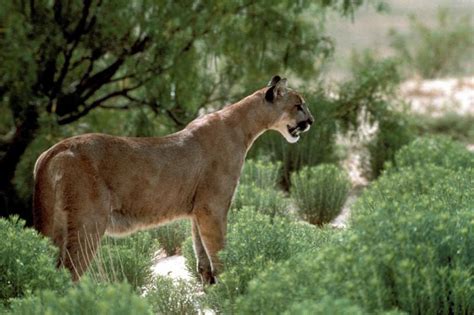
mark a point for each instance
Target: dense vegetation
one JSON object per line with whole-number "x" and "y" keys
{"x": 69, "y": 67}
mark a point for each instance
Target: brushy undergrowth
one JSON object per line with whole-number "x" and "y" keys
{"x": 459, "y": 127}
{"x": 168, "y": 296}
{"x": 255, "y": 241}
{"x": 87, "y": 297}
{"x": 395, "y": 131}
{"x": 410, "y": 249}
{"x": 267, "y": 200}
{"x": 258, "y": 188}
{"x": 320, "y": 192}
{"x": 27, "y": 262}
{"x": 172, "y": 235}
{"x": 263, "y": 174}
{"x": 436, "y": 150}
{"x": 125, "y": 259}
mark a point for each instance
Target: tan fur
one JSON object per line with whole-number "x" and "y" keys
{"x": 93, "y": 184}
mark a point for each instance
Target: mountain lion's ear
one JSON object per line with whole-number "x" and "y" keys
{"x": 274, "y": 80}
{"x": 276, "y": 90}
{"x": 281, "y": 88}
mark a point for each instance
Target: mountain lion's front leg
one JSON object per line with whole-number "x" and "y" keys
{"x": 211, "y": 227}
{"x": 203, "y": 264}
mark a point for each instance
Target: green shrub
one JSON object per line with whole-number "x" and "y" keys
{"x": 260, "y": 173}
{"x": 267, "y": 200}
{"x": 320, "y": 192}
{"x": 436, "y": 150}
{"x": 413, "y": 252}
{"x": 443, "y": 50}
{"x": 27, "y": 262}
{"x": 328, "y": 305}
{"x": 365, "y": 98}
{"x": 167, "y": 296}
{"x": 394, "y": 132}
{"x": 303, "y": 237}
{"x": 125, "y": 259}
{"x": 172, "y": 235}
{"x": 85, "y": 298}
{"x": 459, "y": 127}
{"x": 190, "y": 258}
{"x": 258, "y": 188}
{"x": 254, "y": 241}
{"x": 393, "y": 187}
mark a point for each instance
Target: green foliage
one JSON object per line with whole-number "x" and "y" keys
{"x": 156, "y": 53}
{"x": 27, "y": 262}
{"x": 190, "y": 258}
{"x": 258, "y": 188}
{"x": 443, "y": 50}
{"x": 262, "y": 174}
{"x": 320, "y": 192}
{"x": 126, "y": 259}
{"x": 267, "y": 200}
{"x": 413, "y": 251}
{"x": 87, "y": 297}
{"x": 327, "y": 305}
{"x": 172, "y": 235}
{"x": 368, "y": 92}
{"x": 168, "y": 296}
{"x": 437, "y": 150}
{"x": 395, "y": 131}
{"x": 255, "y": 241}
{"x": 458, "y": 127}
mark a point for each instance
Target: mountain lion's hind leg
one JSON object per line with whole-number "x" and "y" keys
{"x": 85, "y": 200}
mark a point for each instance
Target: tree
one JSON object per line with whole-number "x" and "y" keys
{"x": 65, "y": 58}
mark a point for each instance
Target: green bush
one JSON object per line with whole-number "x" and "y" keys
{"x": 459, "y": 127}
{"x": 258, "y": 188}
{"x": 190, "y": 258}
{"x": 172, "y": 235}
{"x": 413, "y": 252}
{"x": 267, "y": 200}
{"x": 320, "y": 192}
{"x": 443, "y": 50}
{"x": 167, "y": 296}
{"x": 328, "y": 305}
{"x": 369, "y": 95}
{"x": 87, "y": 297}
{"x": 260, "y": 173}
{"x": 255, "y": 241}
{"x": 435, "y": 150}
{"x": 27, "y": 262}
{"x": 125, "y": 259}
{"x": 394, "y": 132}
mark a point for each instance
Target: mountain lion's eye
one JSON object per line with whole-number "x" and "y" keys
{"x": 299, "y": 107}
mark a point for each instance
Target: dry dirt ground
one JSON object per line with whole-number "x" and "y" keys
{"x": 428, "y": 97}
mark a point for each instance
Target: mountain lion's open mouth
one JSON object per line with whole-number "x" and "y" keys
{"x": 294, "y": 131}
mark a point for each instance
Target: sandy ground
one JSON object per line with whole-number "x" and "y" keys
{"x": 437, "y": 97}
{"x": 172, "y": 266}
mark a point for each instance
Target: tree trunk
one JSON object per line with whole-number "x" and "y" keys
{"x": 10, "y": 203}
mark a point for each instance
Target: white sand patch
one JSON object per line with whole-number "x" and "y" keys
{"x": 436, "y": 97}
{"x": 172, "y": 266}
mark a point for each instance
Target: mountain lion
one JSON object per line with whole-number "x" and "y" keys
{"x": 92, "y": 184}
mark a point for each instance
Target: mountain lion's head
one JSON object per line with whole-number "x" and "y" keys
{"x": 294, "y": 117}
